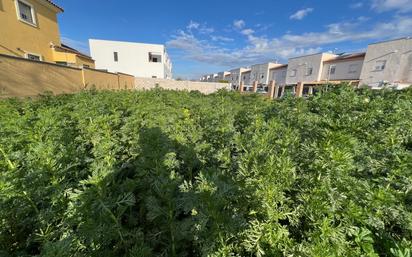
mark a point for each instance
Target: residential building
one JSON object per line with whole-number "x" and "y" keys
{"x": 222, "y": 76}
{"x": 307, "y": 68}
{"x": 246, "y": 78}
{"x": 30, "y": 30}
{"x": 138, "y": 59}
{"x": 346, "y": 67}
{"x": 260, "y": 72}
{"x": 278, "y": 74}
{"x": 237, "y": 76}
{"x": 388, "y": 63}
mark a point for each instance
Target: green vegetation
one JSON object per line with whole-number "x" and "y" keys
{"x": 163, "y": 173}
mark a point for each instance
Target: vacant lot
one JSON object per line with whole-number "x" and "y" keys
{"x": 163, "y": 173}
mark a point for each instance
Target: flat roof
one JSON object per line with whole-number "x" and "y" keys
{"x": 310, "y": 55}
{"x": 279, "y": 67}
{"x": 126, "y": 42}
{"x": 390, "y": 40}
{"x": 348, "y": 57}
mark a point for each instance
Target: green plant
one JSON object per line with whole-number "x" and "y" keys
{"x": 166, "y": 173}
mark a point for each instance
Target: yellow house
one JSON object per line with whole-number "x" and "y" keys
{"x": 29, "y": 29}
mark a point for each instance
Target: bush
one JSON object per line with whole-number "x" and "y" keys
{"x": 164, "y": 173}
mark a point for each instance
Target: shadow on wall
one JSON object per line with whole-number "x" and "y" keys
{"x": 1, "y": 5}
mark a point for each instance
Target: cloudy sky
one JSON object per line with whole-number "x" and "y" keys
{"x": 211, "y": 36}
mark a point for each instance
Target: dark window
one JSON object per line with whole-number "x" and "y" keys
{"x": 154, "y": 77}
{"x": 116, "y": 56}
{"x": 154, "y": 59}
{"x": 62, "y": 63}
{"x": 33, "y": 57}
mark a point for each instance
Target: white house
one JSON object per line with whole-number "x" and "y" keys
{"x": 388, "y": 63}
{"x": 138, "y": 59}
{"x": 307, "y": 68}
{"x": 278, "y": 74}
{"x": 346, "y": 67}
{"x": 260, "y": 72}
{"x": 222, "y": 76}
{"x": 236, "y": 76}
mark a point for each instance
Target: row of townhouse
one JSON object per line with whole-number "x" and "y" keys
{"x": 384, "y": 63}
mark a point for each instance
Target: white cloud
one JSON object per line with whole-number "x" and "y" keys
{"x": 299, "y": 15}
{"x": 193, "y": 25}
{"x": 239, "y": 24}
{"x": 201, "y": 28}
{"x": 261, "y": 49}
{"x": 221, "y": 38}
{"x": 401, "y": 6}
{"x": 356, "y": 5}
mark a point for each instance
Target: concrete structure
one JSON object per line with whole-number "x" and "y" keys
{"x": 388, "y": 63}
{"x": 345, "y": 67}
{"x": 278, "y": 74}
{"x": 138, "y": 59}
{"x": 22, "y": 77}
{"x": 237, "y": 76}
{"x": 203, "y": 87}
{"x": 222, "y": 76}
{"x": 260, "y": 72}
{"x": 29, "y": 29}
{"x": 307, "y": 68}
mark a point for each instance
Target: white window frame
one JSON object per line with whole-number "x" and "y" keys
{"x": 26, "y": 55}
{"x": 379, "y": 68}
{"x": 33, "y": 13}
{"x": 293, "y": 73}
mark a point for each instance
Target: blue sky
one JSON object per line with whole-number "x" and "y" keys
{"x": 211, "y": 36}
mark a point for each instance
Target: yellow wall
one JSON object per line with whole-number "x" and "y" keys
{"x": 100, "y": 79}
{"x": 20, "y": 77}
{"x": 72, "y": 59}
{"x": 126, "y": 81}
{"x": 16, "y": 34}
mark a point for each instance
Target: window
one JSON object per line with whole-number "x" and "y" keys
{"x": 332, "y": 70}
{"x": 86, "y": 66}
{"x": 380, "y": 65}
{"x": 293, "y": 73}
{"x": 262, "y": 76}
{"x": 309, "y": 71}
{"x": 116, "y": 56}
{"x": 62, "y": 63}
{"x": 154, "y": 77}
{"x": 25, "y": 12}
{"x": 353, "y": 68}
{"x": 33, "y": 57}
{"x": 153, "y": 57}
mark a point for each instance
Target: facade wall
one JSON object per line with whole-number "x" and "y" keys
{"x": 398, "y": 68}
{"x": 22, "y": 77}
{"x": 222, "y": 76}
{"x": 344, "y": 70}
{"x": 278, "y": 75}
{"x": 100, "y": 80}
{"x": 246, "y": 78}
{"x": 236, "y": 76}
{"x": 260, "y": 72}
{"x": 126, "y": 81}
{"x": 133, "y": 58}
{"x": 18, "y": 38}
{"x": 203, "y": 87}
{"x": 300, "y": 66}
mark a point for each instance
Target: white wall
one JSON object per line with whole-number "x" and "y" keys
{"x": 246, "y": 78}
{"x": 302, "y": 64}
{"x": 344, "y": 70}
{"x": 236, "y": 76}
{"x": 398, "y": 68}
{"x": 133, "y": 58}
{"x": 260, "y": 72}
{"x": 278, "y": 75}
